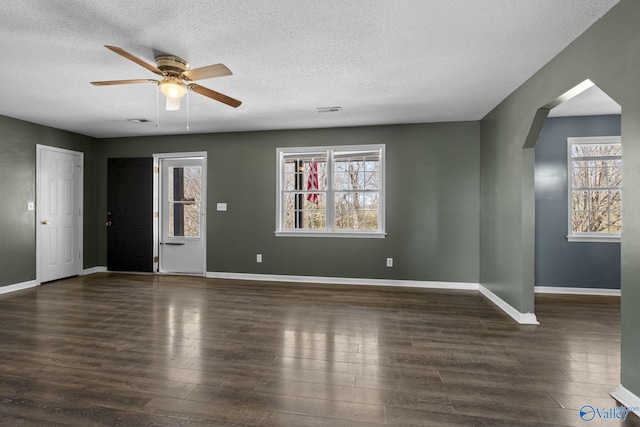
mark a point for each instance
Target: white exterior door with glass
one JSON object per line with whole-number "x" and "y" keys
{"x": 182, "y": 236}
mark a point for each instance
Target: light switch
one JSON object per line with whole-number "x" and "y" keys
{"x": 31, "y": 206}
{"x": 222, "y": 207}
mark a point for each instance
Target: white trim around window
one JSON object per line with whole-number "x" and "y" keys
{"x": 593, "y": 179}
{"x": 332, "y": 191}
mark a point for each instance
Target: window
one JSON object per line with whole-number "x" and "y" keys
{"x": 595, "y": 193}
{"x": 184, "y": 201}
{"x": 331, "y": 191}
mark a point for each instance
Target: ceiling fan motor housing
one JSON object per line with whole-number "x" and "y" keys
{"x": 171, "y": 65}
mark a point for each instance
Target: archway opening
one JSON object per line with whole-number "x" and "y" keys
{"x": 573, "y": 160}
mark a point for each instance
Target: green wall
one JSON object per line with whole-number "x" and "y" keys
{"x": 460, "y": 196}
{"x": 432, "y": 206}
{"x": 18, "y": 141}
{"x": 608, "y": 53}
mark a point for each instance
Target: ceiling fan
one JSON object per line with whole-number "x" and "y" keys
{"x": 176, "y": 76}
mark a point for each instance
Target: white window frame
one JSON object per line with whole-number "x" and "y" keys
{"x": 330, "y": 231}
{"x": 586, "y": 236}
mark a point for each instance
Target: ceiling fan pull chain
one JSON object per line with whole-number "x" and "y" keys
{"x": 187, "y": 111}
{"x": 157, "y": 105}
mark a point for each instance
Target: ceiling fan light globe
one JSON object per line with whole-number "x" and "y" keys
{"x": 173, "y": 89}
{"x": 172, "y": 104}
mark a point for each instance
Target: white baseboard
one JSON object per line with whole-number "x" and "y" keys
{"x": 33, "y": 283}
{"x": 93, "y": 270}
{"x": 522, "y": 318}
{"x": 626, "y": 398}
{"x": 577, "y": 291}
{"x": 18, "y": 287}
{"x": 345, "y": 281}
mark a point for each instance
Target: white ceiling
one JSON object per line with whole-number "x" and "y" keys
{"x": 592, "y": 102}
{"x": 382, "y": 61}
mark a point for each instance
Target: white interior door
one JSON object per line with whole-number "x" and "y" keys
{"x": 59, "y": 213}
{"x": 182, "y": 247}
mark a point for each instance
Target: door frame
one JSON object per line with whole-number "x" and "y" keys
{"x": 80, "y": 226}
{"x": 157, "y": 212}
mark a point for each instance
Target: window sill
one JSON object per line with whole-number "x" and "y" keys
{"x": 594, "y": 238}
{"x": 350, "y": 235}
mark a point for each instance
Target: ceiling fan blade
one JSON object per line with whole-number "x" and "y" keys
{"x": 215, "y": 95}
{"x": 208, "y": 72}
{"x": 135, "y": 59}
{"x": 123, "y": 82}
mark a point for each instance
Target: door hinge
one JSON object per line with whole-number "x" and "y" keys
{"x": 78, "y": 168}
{"x": 156, "y": 214}
{"x": 156, "y": 169}
{"x": 156, "y": 259}
{"x": 79, "y": 255}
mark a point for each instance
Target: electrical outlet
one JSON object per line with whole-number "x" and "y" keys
{"x": 389, "y": 262}
{"x": 258, "y": 257}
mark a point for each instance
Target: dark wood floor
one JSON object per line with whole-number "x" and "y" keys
{"x": 110, "y": 349}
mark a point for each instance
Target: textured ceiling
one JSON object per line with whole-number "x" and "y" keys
{"x": 382, "y": 61}
{"x": 591, "y": 102}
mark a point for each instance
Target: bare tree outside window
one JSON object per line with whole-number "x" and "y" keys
{"x": 185, "y": 185}
{"x": 331, "y": 189}
{"x": 356, "y": 181}
{"x": 305, "y": 204}
{"x": 596, "y": 187}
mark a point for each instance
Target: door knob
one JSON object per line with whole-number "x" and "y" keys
{"x": 44, "y": 221}
{"x": 108, "y": 224}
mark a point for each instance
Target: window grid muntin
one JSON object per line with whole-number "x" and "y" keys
{"x": 368, "y": 155}
{"x": 344, "y": 165}
{"x": 299, "y": 210}
{"x": 184, "y": 201}
{"x": 588, "y": 156}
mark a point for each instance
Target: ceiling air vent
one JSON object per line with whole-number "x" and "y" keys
{"x": 329, "y": 109}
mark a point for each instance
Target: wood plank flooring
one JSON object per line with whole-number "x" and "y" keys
{"x": 134, "y": 350}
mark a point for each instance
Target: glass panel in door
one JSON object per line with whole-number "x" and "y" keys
{"x": 182, "y": 242}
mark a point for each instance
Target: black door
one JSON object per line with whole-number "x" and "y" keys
{"x": 130, "y": 214}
